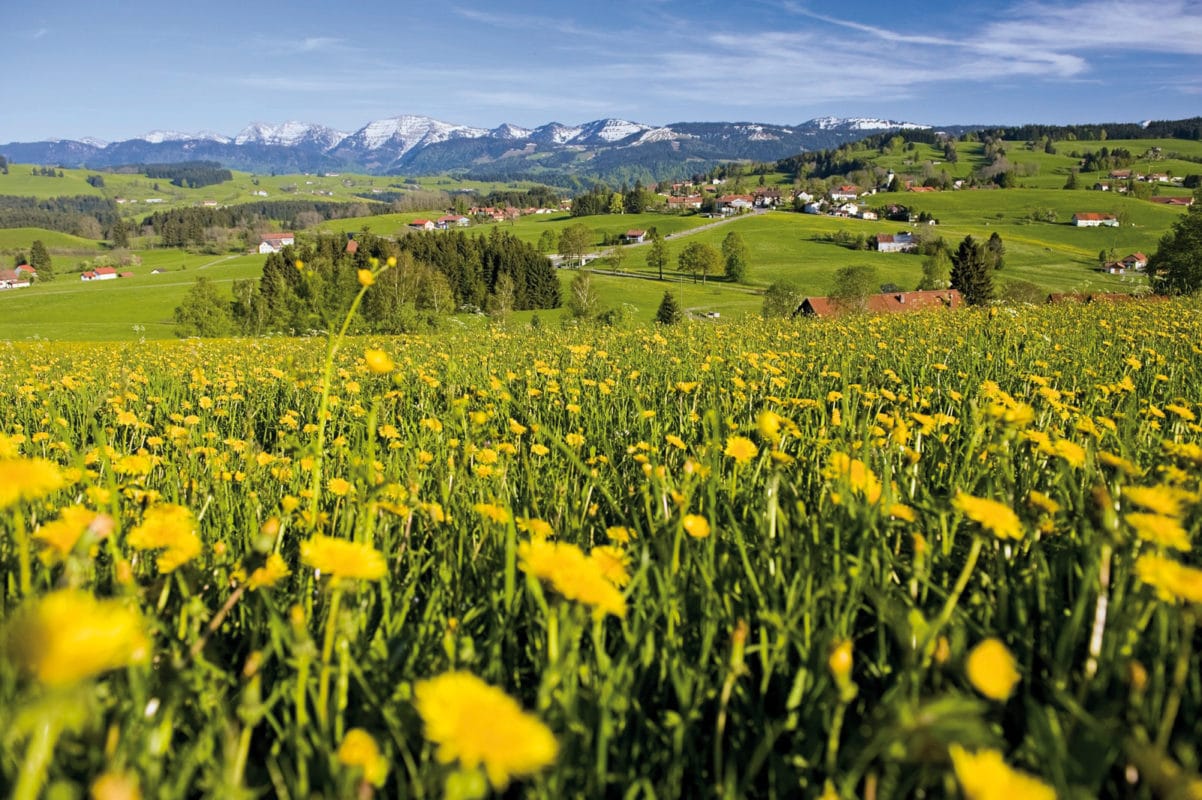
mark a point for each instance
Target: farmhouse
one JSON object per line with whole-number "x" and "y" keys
{"x": 1184, "y": 202}
{"x": 275, "y": 242}
{"x": 885, "y": 303}
{"x": 452, "y": 221}
{"x": 731, "y": 203}
{"x": 100, "y": 274}
{"x": 1091, "y": 219}
{"x": 895, "y": 243}
{"x": 635, "y": 236}
{"x": 422, "y": 225}
{"x": 691, "y": 201}
{"x": 844, "y": 193}
{"x": 1135, "y": 261}
{"x": 14, "y": 279}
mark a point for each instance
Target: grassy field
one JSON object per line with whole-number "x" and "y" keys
{"x": 872, "y": 557}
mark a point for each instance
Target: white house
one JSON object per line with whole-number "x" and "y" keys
{"x": 99, "y": 274}
{"x": 275, "y": 242}
{"x": 422, "y": 225}
{"x": 844, "y": 193}
{"x": 895, "y": 242}
{"x": 1094, "y": 220}
{"x": 13, "y": 279}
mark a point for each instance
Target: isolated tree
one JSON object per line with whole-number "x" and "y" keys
{"x": 995, "y": 251}
{"x": 1071, "y": 183}
{"x": 853, "y": 286}
{"x": 699, "y": 258}
{"x": 657, "y": 255}
{"x": 781, "y": 299}
{"x": 582, "y": 297}
{"x": 574, "y": 242}
{"x": 669, "y": 312}
{"x": 735, "y": 256}
{"x": 936, "y": 271}
{"x": 203, "y": 312}
{"x": 546, "y": 241}
{"x": 971, "y": 274}
{"x": 39, "y": 259}
{"x": 1176, "y": 266}
{"x": 617, "y": 257}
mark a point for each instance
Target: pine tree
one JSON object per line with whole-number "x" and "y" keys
{"x": 39, "y": 259}
{"x": 995, "y": 251}
{"x": 669, "y": 310}
{"x": 970, "y": 273}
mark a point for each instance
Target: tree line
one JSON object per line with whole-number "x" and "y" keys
{"x": 190, "y": 174}
{"x": 184, "y": 227}
{"x": 80, "y": 215}
{"x": 310, "y": 287}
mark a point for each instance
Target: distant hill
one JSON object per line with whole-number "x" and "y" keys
{"x": 610, "y": 149}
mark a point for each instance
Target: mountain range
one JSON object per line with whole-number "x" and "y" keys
{"x": 417, "y": 145}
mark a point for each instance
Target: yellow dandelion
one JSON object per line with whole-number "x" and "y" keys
{"x": 1070, "y": 451}
{"x": 1041, "y": 501}
{"x": 840, "y": 662}
{"x": 1172, "y": 581}
{"x": 539, "y": 528}
{"x": 574, "y": 440}
{"x": 572, "y": 574}
{"x": 984, "y": 775}
{"x": 24, "y": 479}
{"x": 675, "y": 441}
{"x": 268, "y": 575}
{"x": 539, "y": 449}
{"x": 1158, "y": 499}
{"x": 1162, "y": 530}
{"x": 378, "y": 361}
{"x": 903, "y": 512}
{"x": 619, "y": 534}
{"x": 342, "y": 559}
{"x": 862, "y": 480}
{"x": 997, "y": 518}
{"x": 696, "y": 526}
{"x": 492, "y": 512}
{"x": 360, "y": 751}
{"x": 480, "y": 726}
{"x": 69, "y": 636}
{"x": 339, "y": 487}
{"x": 1181, "y": 411}
{"x": 516, "y": 428}
{"x": 991, "y": 669}
{"x": 741, "y": 449}
{"x": 365, "y": 277}
{"x": 63, "y": 534}
{"x": 170, "y": 528}
{"x": 612, "y": 562}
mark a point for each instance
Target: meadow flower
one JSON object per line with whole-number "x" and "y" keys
{"x": 63, "y": 534}
{"x": 24, "y": 479}
{"x": 984, "y": 775}
{"x": 479, "y": 725}
{"x": 366, "y": 278}
{"x": 272, "y": 572}
{"x": 840, "y": 662}
{"x": 991, "y": 669}
{"x": 696, "y": 526}
{"x": 1172, "y": 581}
{"x": 116, "y": 786}
{"x": 538, "y": 528}
{"x": 619, "y": 534}
{"x": 1163, "y": 500}
{"x": 572, "y": 574}
{"x": 378, "y": 361}
{"x": 997, "y": 518}
{"x": 339, "y": 487}
{"x": 741, "y": 449}
{"x": 1159, "y": 529}
{"x": 859, "y": 477}
{"x": 342, "y": 559}
{"x": 611, "y": 561}
{"x": 69, "y": 636}
{"x": 492, "y": 512}
{"x": 170, "y": 528}
{"x": 359, "y": 750}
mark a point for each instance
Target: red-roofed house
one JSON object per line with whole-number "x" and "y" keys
{"x": 452, "y": 221}
{"x": 100, "y": 274}
{"x": 634, "y": 236}
{"x": 13, "y": 279}
{"x": 845, "y": 192}
{"x": 275, "y": 242}
{"x": 729, "y": 203}
{"x": 895, "y": 243}
{"x": 1184, "y": 202}
{"x": 421, "y": 225}
{"x": 1136, "y": 261}
{"x": 1094, "y": 220}
{"x": 891, "y": 303}
{"x": 26, "y": 270}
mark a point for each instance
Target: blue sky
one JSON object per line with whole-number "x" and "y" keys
{"x": 82, "y": 68}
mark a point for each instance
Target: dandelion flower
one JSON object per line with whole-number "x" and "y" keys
{"x": 997, "y": 518}
{"x": 342, "y": 559}
{"x": 991, "y": 669}
{"x": 984, "y": 775}
{"x": 611, "y": 561}
{"x": 1171, "y": 580}
{"x": 271, "y": 573}
{"x": 378, "y": 361}
{"x": 365, "y": 277}
{"x": 538, "y": 528}
{"x": 492, "y": 512}
{"x": 70, "y": 636}
{"x": 480, "y": 726}
{"x": 862, "y": 480}
{"x": 1162, "y": 530}
{"x": 339, "y": 487}
{"x": 840, "y": 662}
{"x": 696, "y": 526}
{"x": 116, "y": 786}
{"x": 359, "y": 749}
{"x": 63, "y": 534}
{"x": 170, "y": 528}
{"x": 741, "y": 449}
{"x": 574, "y": 575}
{"x": 1157, "y": 499}
{"x": 619, "y": 534}
{"x": 24, "y": 479}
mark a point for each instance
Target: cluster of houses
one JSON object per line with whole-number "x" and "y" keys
{"x": 1136, "y": 262}
{"x": 20, "y": 278}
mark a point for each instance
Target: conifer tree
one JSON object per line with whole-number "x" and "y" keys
{"x": 970, "y": 273}
{"x": 669, "y": 310}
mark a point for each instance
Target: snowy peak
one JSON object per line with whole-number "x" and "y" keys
{"x": 610, "y": 130}
{"x": 555, "y": 133}
{"x": 159, "y": 137}
{"x": 406, "y": 132}
{"x": 507, "y": 131}
{"x": 288, "y": 134}
{"x": 863, "y": 124}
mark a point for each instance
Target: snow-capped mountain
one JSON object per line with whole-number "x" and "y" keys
{"x": 416, "y": 145}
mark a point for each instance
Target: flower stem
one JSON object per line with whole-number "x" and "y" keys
{"x": 949, "y": 607}
{"x": 327, "y": 651}
{"x": 37, "y": 758}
